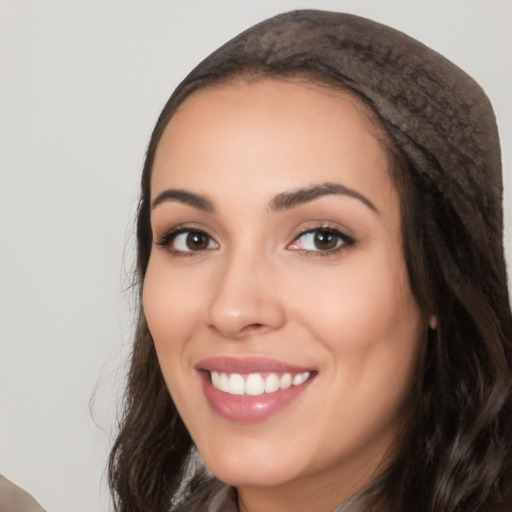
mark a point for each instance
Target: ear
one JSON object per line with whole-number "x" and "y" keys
{"x": 432, "y": 322}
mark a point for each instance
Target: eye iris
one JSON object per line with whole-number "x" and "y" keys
{"x": 325, "y": 240}
{"x": 197, "y": 241}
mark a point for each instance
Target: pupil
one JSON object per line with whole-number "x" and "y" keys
{"x": 196, "y": 241}
{"x": 325, "y": 240}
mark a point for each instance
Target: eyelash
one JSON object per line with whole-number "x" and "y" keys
{"x": 343, "y": 241}
{"x": 170, "y": 236}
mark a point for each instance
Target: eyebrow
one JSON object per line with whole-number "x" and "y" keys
{"x": 282, "y": 201}
{"x": 182, "y": 196}
{"x": 293, "y": 198}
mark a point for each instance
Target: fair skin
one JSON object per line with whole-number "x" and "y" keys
{"x": 314, "y": 281}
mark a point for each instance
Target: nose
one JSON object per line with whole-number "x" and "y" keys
{"x": 245, "y": 300}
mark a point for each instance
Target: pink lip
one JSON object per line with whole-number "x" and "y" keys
{"x": 248, "y": 365}
{"x": 244, "y": 408}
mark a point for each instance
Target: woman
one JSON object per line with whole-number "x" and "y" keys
{"x": 325, "y": 315}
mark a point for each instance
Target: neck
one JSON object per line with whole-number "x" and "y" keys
{"x": 319, "y": 493}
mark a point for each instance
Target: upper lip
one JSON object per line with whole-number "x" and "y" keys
{"x": 246, "y": 365}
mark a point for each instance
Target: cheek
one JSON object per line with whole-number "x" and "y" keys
{"x": 370, "y": 328}
{"x": 360, "y": 303}
{"x": 170, "y": 307}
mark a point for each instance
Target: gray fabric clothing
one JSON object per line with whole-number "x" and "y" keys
{"x": 216, "y": 496}
{"x": 213, "y": 496}
{"x": 224, "y": 500}
{"x": 15, "y": 499}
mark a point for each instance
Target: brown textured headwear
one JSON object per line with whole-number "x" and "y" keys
{"x": 444, "y": 125}
{"x": 439, "y": 117}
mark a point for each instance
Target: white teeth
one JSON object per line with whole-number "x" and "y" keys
{"x": 253, "y": 384}
{"x": 300, "y": 378}
{"x": 285, "y": 381}
{"x": 215, "y": 379}
{"x": 271, "y": 383}
{"x": 224, "y": 382}
{"x": 236, "y": 384}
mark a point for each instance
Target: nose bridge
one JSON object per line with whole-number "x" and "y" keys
{"x": 244, "y": 300}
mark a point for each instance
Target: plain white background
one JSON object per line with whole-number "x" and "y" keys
{"x": 81, "y": 84}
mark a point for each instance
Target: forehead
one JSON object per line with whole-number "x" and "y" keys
{"x": 285, "y": 133}
{"x": 286, "y": 96}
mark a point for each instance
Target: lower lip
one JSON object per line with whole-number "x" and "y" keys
{"x": 245, "y": 408}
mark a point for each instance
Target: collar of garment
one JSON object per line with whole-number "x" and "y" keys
{"x": 223, "y": 498}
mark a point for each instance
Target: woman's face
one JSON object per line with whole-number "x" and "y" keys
{"x": 277, "y": 273}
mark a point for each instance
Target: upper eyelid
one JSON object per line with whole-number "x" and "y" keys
{"x": 311, "y": 226}
{"x": 180, "y": 227}
{"x": 336, "y": 231}
{"x": 170, "y": 234}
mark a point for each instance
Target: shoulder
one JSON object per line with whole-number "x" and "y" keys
{"x": 15, "y": 499}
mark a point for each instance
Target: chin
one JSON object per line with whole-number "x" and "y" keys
{"x": 250, "y": 476}
{"x": 252, "y": 467}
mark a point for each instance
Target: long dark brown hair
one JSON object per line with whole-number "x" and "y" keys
{"x": 440, "y": 135}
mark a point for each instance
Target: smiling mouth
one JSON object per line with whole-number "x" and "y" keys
{"x": 256, "y": 384}
{"x": 252, "y": 389}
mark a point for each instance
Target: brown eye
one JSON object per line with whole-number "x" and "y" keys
{"x": 197, "y": 241}
{"x": 188, "y": 241}
{"x": 325, "y": 240}
{"x": 321, "y": 241}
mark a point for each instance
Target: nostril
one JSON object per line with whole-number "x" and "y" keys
{"x": 253, "y": 327}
